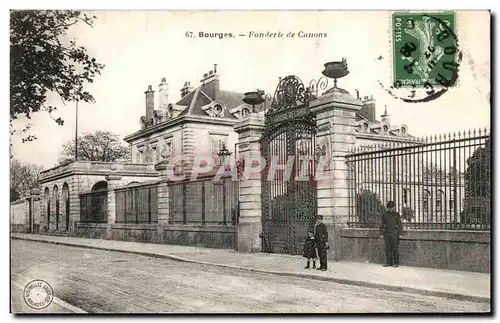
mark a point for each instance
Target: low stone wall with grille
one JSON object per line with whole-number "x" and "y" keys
{"x": 444, "y": 249}
{"x": 209, "y": 236}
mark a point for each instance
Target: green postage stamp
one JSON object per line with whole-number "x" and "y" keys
{"x": 425, "y": 49}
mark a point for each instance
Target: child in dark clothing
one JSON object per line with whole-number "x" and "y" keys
{"x": 309, "y": 250}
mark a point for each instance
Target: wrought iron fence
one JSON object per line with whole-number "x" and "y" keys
{"x": 439, "y": 182}
{"x": 137, "y": 204}
{"x": 94, "y": 207}
{"x": 204, "y": 201}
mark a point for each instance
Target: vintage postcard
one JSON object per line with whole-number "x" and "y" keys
{"x": 250, "y": 162}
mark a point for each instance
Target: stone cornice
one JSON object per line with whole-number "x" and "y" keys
{"x": 178, "y": 121}
{"x": 335, "y": 99}
{"x": 253, "y": 122}
{"x": 372, "y": 136}
{"x": 97, "y": 168}
{"x": 98, "y": 173}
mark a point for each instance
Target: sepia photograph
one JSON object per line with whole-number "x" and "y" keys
{"x": 250, "y": 162}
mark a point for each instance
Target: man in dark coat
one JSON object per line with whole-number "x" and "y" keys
{"x": 321, "y": 237}
{"x": 391, "y": 229}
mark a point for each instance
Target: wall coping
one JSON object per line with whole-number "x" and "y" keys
{"x": 166, "y": 227}
{"x": 467, "y": 236}
{"x": 22, "y": 200}
{"x": 97, "y": 168}
{"x": 91, "y": 225}
{"x": 200, "y": 228}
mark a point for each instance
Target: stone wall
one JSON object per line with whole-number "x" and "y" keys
{"x": 456, "y": 250}
{"x": 19, "y": 215}
{"x": 222, "y": 237}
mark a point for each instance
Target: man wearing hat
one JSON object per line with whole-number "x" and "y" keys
{"x": 321, "y": 237}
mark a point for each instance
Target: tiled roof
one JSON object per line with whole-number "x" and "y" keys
{"x": 200, "y": 97}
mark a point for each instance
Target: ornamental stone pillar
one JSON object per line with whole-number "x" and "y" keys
{"x": 250, "y": 223}
{"x": 163, "y": 191}
{"x": 113, "y": 183}
{"x": 335, "y": 112}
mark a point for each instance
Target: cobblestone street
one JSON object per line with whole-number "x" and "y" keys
{"x": 105, "y": 281}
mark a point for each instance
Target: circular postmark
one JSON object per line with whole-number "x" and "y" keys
{"x": 38, "y": 294}
{"x": 426, "y": 57}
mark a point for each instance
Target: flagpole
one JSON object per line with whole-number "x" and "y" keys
{"x": 76, "y": 132}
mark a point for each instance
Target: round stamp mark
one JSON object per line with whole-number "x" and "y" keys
{"x": 426, "y": 57}
{"x": 38, "y": 294}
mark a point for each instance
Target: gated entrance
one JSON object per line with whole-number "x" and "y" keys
{"x": 289, "y": 204}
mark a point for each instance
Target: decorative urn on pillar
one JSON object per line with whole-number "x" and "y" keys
{"x": 336, "y": 70}
{"x": 253, "y": 98}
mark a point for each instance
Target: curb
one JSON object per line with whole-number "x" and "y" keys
{"x": 410, "y": 290}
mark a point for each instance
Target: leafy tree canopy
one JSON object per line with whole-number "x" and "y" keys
{"x": 23, "y": 178}
{"x": 102, "y": 146}
{"x": 43, "y": 60}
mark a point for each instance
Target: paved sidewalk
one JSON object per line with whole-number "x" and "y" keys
{"x": 436, "y": 282}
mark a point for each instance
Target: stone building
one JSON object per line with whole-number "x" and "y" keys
{"x": 199, "y": 124}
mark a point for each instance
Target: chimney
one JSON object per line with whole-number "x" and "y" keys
{"x": 210, "y": 83}
{"x": 385, "y": 117}
{"x": 368, "y": 108}
{"x": 186, "y": 89}
{"x": 150, "y": 102}
{"x": 163, "y": 96}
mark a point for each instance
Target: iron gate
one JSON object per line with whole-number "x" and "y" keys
{"x": 289, "y": 204}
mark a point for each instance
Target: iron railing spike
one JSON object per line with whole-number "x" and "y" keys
{"x": 474, "y": 132}
{"x": 480, "y": 131}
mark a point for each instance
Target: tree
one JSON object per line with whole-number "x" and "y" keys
{"x": 477, "y": 206}
{"x": 369, "y": 209}
{"x": 42, "y": 62}
{"x": 102, "y": 146}
{"x": 23, "y": 178}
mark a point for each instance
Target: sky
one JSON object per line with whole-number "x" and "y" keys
{"x": 139, "y": 48}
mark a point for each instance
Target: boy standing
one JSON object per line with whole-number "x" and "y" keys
{"x": 309, "y": 251}
{"x": 391, "y": 229}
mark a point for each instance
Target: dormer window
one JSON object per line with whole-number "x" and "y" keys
{"x": 170, "y": 111}
{"x": 218, "y": 110}
{"x": 245, "y": 112}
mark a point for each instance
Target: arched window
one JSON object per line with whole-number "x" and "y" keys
{"x": 100, "y": 186}
{"x": 55, "y": 199}
{"x": 65, "y": 198}
{"x": 440, "y": 197}
{"x": 426, "y": 201}
{"x": 46, "y": 199}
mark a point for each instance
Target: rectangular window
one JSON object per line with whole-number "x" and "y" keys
{"x": 216, "y": 143}
{"x": 169, "y": 146}
{"x": 140, "y": 156}
{"x": 406, "y": 193}
{"x": 438, "y": 203}
{"x": 154, "y": 154}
